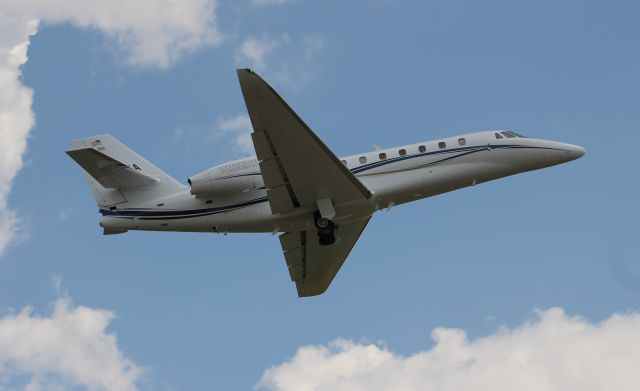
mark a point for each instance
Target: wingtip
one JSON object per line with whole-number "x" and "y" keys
{"x": 309, "y": 290}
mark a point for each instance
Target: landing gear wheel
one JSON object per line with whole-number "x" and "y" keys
{"x": 326, "y": 240}
{"x": 322, "y": 223}
{"x": 326, "y": 230}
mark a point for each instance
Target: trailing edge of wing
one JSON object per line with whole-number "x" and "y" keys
{"x": 297, "y": 167}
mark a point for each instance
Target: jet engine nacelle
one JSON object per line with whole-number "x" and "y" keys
{"x": 236, "y": 177}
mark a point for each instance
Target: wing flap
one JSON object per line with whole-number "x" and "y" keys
{"x": 294, "y": 259}
{"x": 280, "y": 199}
{"x": 271, "y": 173}
{"x": 261, "y": 144}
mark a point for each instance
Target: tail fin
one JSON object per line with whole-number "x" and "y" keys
{"x": 116, "y": 174}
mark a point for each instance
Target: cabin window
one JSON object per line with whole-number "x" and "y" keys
{"x": 344, "y": 162}
{"x": 383, "y": 156}
{"x": 498, "y": 136}
{"x": 442, "y": 145}
{"x": 462, "y": 141}
{"x": 402, "y": 152}
{"x": 422, "y": 149}
{"x": 363, "y": 159}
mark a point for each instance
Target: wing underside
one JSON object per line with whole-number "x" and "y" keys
{"x": 312, "y": 266}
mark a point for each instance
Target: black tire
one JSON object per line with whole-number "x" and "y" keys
{"x": 326, "y": 240}
{"x": 320, "y": 222}
{"x": 326, "y": 231}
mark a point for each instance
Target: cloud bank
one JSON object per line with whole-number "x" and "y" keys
{"x": 555, "y": 352}
{"x": 152, "y": 33}
{"x": 68, "y": 349}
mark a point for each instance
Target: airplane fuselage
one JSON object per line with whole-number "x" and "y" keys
{"x": 232, "y": 197}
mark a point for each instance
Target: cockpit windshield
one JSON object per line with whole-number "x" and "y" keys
{"x": 510, "y": 134}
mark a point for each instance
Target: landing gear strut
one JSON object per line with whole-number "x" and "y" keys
{"x": 326, "y": 230}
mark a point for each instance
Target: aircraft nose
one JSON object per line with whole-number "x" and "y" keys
{"x": 563, "y": 152}
{"x": 577, "y": 151}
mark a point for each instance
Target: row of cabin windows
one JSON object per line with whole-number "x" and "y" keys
{"x": 403, "y": 152}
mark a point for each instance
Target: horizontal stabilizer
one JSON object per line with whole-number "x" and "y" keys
{"x": 109, "y": 172}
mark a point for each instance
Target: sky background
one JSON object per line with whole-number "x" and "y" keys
{"x": 202, "y": 311}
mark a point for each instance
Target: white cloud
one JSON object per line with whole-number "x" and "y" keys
{"x": 239, "y": 129}
{"x": 63, "y": 214}
{"x": 555, "y": 352}
{"x": 281, "y": 60}
{"x": 255, "y": 50}
{"x": 68, "y": 349}
{"x": 16, "y": 118}
{"x": 312, "y": 46}
{"x": 154, "y": 33}
{"x": 270, "y": 2}
{"x": 178, "y": 134}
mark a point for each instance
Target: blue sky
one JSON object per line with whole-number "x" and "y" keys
{"x": 200, "y": 311}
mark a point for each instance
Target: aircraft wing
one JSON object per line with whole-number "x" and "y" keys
{"x": 312, "y": 266}
{"x": 109, "y": 172}
{"x": 297, "y": 168}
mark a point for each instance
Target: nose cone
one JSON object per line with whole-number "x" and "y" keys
{"x": 534, "y": 154}
{"x": 576, "y": 152}
{"x": 558, "y": 153}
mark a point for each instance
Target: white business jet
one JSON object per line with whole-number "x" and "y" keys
{"x": 296, "y": 186}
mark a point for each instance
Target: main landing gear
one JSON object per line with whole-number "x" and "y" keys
{"x": 326, "y": 230}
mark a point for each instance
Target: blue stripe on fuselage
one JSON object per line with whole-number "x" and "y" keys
{"x": 174, "y": 214}
{"x": 180, "y": 213}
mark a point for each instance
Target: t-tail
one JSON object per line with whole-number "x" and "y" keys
{"x": 119, "y": 177}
